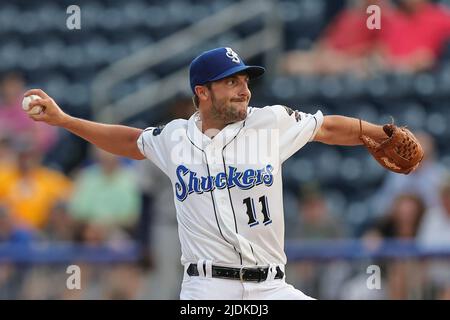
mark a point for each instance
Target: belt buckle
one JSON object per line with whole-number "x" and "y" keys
{"x": 258, "y": 270}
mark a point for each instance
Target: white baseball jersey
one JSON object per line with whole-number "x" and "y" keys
{"x": 228, "y": 190}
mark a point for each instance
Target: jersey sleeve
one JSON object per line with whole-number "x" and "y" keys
{"x": 296, "y": 128}
{"x": 152, "y": 145}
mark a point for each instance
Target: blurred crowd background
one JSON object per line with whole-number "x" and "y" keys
{"x": 57, "y": 189}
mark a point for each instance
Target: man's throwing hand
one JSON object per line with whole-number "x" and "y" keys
{"x": 50, "y": 112}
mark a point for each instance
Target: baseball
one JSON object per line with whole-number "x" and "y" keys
{"x": 26, "y": 105}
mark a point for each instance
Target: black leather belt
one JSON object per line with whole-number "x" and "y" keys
{"x": 243, "y": 274}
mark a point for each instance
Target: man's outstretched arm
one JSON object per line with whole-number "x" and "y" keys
{"x": 345, "y": 131}
{"x": 116, "y": 139}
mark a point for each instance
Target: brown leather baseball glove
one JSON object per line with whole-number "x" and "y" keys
{"x": 401, "y": 152}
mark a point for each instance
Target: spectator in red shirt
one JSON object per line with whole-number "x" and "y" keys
{"x": 413, "y": 36}
{"x": 345, "y": 45}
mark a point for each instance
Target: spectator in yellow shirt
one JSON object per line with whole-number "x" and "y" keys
{"x": 28, "y": 189}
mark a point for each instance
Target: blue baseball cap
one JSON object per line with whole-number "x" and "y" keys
{"x": 217, "y": 64}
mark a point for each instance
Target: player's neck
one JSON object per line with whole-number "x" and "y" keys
{"x": 209, "y": 124}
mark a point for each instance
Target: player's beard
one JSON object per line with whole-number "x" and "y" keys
{"x": 228, "y": 111}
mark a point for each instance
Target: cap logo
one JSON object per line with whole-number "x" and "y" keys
{"x": 232, "y": 55}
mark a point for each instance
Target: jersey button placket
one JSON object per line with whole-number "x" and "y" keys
{"x": 221, "y": 195}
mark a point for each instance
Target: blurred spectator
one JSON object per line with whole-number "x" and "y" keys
{"x": 106, "y": 198}
{"x": 413, "y": 36}
{"x": 405, "y": 277}
{"x": 425, "y": 181}
{"x": 14, "y": 121}
{"x": 403, "y": 219}
{"x": 435, "y": 229}
{"x": 60, "y": 225}
{"x": 345, "y": 46}
{"x": 434, "y": 233}
{"x": 315, "y": 223}
{"x": 28, "y": 189}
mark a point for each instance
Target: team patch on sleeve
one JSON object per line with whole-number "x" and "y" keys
{"x": 156, "y": 131}
{"x": 288, "y": 110}
{"x": 296, "y": 113}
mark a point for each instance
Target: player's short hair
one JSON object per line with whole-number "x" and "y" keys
{"x": 196, "y": 100}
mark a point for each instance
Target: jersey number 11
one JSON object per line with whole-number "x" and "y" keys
{"x": 252, "y": 221}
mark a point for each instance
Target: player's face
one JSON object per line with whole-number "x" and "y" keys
{"x": 230, "y": 97}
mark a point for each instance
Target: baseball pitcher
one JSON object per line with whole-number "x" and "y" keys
{"x": 225, "y": 166}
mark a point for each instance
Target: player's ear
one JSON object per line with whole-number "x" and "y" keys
{"x": 201, "y": 92}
